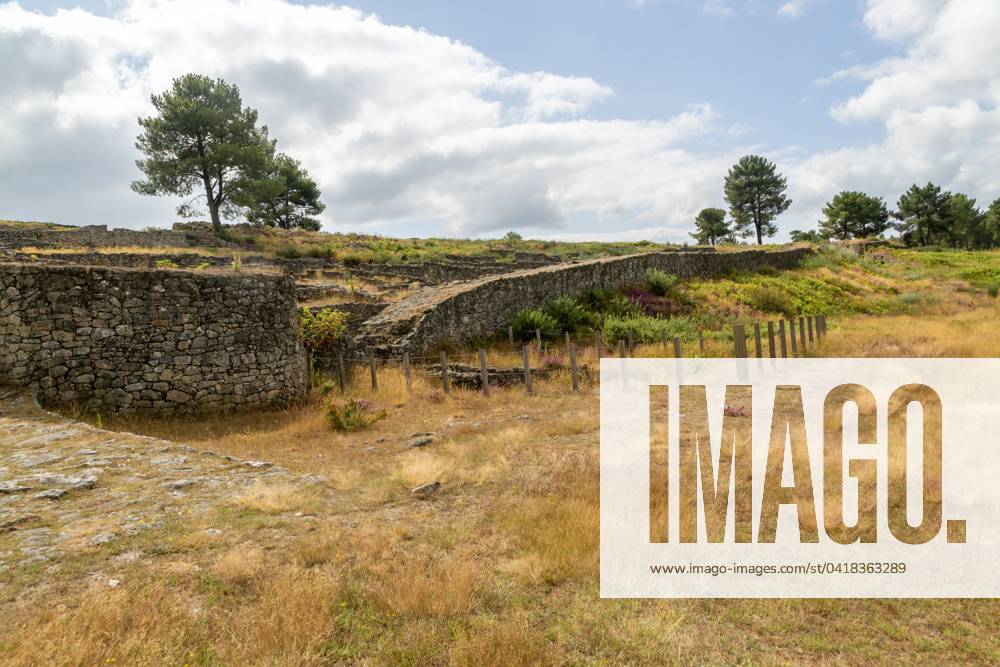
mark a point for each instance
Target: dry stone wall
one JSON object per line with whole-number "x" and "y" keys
{"x": 479, "y": 308}
{"x": 161, "y": 341}
{"x": 92, "y": 235}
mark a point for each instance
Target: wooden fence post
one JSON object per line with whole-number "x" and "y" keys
{"x": 538, "y": 341}
{"x": 701, "y": 343}
{"x": 444, "y": 372}
{"x": 341, "y": 373}
{"x": 574, "y": 379}
{"x": 406, "y": 372}
{"x": 483, "y": 373}
{"x": 770, "y": 339}
{"x": 631, "y": 344}
{"x": 739, "y": 341}
{"x": 621, "y": 349}
{"x": 510, "y": 334}
{"x": 677, "y": 347}
{"x": 802, "y": 335}
{"x": 756, "y": 340}
{"x": 597, "y": 344}
{"x": 791, "y": 335}
{"x": 372, "y": 367}
{"x": 810, "y": 321}
{"x": 567, "y": 342}
{"x": 527, "y": 368}
{"x": 781, "y": 337}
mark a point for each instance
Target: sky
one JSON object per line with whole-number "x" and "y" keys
{"x": 562, "y": 119}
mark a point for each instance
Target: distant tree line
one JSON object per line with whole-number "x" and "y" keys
{"x": 205, "y": 145}
{"x": 755, "y": 193}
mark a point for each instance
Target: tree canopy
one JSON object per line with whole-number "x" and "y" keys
{"x": 711, "y": 226}
{"x": 852, "y": 214}
{"x": 967, "y": 224}
{"x": 203, "y": 140}
{"x": 284, "y": 197}
{"x": 991, "y": 221}
{"x": 924, "y": 215}
{"x": 755, "y": 192}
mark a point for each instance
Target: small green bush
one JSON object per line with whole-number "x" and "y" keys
{"x": 569, "y": 315}
{"x": 320, "y": 330}
{"x": 166, "y": 264}
{"x": 910, "y": 298}
{"x": 609, "y": 303}
{"x": 767, "y": 270}
{"x": 526, "y": 321}
{"x": 202, "y": 266}
{"x": 770, "y": 299}
{"x": 829, "y": 256}
{"x": 649, "y": 329}
{"x": 660, "y": 282}
{"x": 353, "y": 414}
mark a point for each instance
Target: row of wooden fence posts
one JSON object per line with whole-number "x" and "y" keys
{"x": 811, "y": 330}
{"x": 484, "y": 373}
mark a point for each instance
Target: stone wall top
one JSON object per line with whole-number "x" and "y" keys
{"x": 478, "y": 308}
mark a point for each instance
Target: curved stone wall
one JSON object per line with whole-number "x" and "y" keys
{"x": 478, "y": 308}
{"x": 161, "y": 341}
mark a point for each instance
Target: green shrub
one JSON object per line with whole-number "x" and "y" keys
{"x": 910, "y": 298}
{"x": 353, "y": 414}
{"x": 660, "y": 282}
{"x": 609, "y": 303}
{"x": 526, "y": 321}
{"x": 320, "y": 330}
{"x": 770, "y": 299}
{"x": 202, "y": 266}
{"x": 649, "y": 329}
{"x": 829, "y": 256}
{"x": 569, "y": 315}
{"x": 166, "y": 264}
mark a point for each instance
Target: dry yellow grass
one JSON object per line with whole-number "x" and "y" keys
{"x": 499, "y": 567}
{"x": 240, "y": 565}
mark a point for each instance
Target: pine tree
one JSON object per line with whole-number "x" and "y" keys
{"x": 755, "y": 192}
{"x": 202, "y": 139}
{"x": 711, "y": 226}
{"x": 924, "y": 215}
{"x": 284, "y": 197}
{"x": 853, "y": 214}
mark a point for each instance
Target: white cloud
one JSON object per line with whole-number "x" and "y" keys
{"x": 939, "y": 103}
{"x": 719, "y": 8}
{"x": 793, "y": 8}
{"x": 896, "y": 19}
{"x": 401, "y": 128}
{"x": 406, "y": 130}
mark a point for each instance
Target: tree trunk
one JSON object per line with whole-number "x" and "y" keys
{"x": 213, "y": 209}
{"x": 216, "y": 222}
